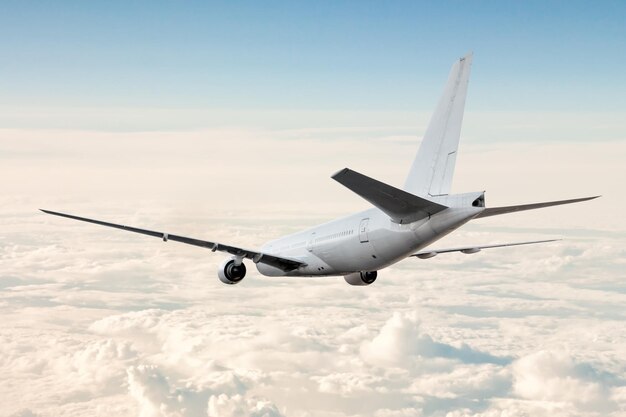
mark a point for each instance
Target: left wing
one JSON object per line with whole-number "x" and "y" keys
{"x": 473, "y": 249}
{"x": 285, "y": 264}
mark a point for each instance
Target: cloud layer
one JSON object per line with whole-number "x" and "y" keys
{"x": 99, "y": 322}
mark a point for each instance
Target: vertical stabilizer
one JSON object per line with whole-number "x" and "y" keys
{"x": 433, "y": 167}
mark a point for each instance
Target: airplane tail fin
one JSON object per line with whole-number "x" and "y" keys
{"x": 433, "y": 167}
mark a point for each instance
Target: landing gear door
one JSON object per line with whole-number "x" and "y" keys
{"x": 363, "y": 229}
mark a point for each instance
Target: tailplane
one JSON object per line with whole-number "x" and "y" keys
{"x": 433, "y": 167}
{"x": 400, "y": 206}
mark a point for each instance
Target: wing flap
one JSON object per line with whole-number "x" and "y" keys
{"x": 401, "y": 206}
{"x": 473, "y": 249}
{"x": 285, "y": 264}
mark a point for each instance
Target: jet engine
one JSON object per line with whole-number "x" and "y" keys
{"x": 231, "y": 273}
{"x": 361, "y": 278}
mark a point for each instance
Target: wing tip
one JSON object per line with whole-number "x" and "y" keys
{"x": 339, "y": 173}
{"x": 580, "y": 200}
{"x": 548, "y": 240}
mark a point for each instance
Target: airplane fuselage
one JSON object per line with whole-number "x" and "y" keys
{"x": 365, "y": 241}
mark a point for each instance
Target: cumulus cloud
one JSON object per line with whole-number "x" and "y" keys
{"x": 485, "y": 380}
{"x": 157, "y": 397}
{"x": 347, "y": 384}
{"x": 556, "y": 376}
{"x": 237, "y": 406}
{"x": 401, "y": 340}
{"x": 99, "y": 365}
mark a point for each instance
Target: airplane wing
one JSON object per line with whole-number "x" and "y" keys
{"x": 495, "y": 211}
{"x": 285, "y": 264}
{"x": 473, "y": 249}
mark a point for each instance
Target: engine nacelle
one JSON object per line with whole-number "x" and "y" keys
{"x": 361, "y": 278}
{"x": 231, "y": 273}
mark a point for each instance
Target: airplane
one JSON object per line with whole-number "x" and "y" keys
{"x": 402, "y": 222}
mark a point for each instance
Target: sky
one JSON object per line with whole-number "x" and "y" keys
{"x": 298, "y": 56}
{"x": 224, "y": 121}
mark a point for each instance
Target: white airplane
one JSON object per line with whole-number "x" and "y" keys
{"x": 401, "y": 223}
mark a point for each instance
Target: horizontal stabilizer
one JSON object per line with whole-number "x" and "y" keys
{"x": 473, "y": 249}
{"x": 495, "y": 211}
{"x": 401, "y": 206}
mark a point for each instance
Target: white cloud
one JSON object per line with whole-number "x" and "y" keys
{"x": 24, "y": 413}
{"x": 485, "y": 380}
{"x": 152, "y": 391}
{"x": 157, "y": 397}
{"x": 400, "y": 341}
{"x": 347, "y": 384}
{"x": 98, "y": 322}
{"x": 237, "y": 406}
{"x": 403, "y": 412}
{"x": 555, "y": 376}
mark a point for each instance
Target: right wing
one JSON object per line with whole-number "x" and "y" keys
{"x": 473, "y": 249}
{"x": 494, "y": 211}
{"x": 285, "y": 264}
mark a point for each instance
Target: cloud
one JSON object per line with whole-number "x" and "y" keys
{"x": 24, "y": 413}
{"x": 403, "y": 412}
{"x": 401, "y": 341}
{"x": 99, "y": 322}
{"x": 553, "y": 383}
{"x": 484, "y": 380}
{"x": 98, "y": 366}
{"x": 347, "y": 384}
{"x": 555, "y": 376}
{"x": 157, "y": 398}
{"x": 237, "y": 406}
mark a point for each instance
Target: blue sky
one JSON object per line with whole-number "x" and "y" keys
{"x": 384, "y": 56}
